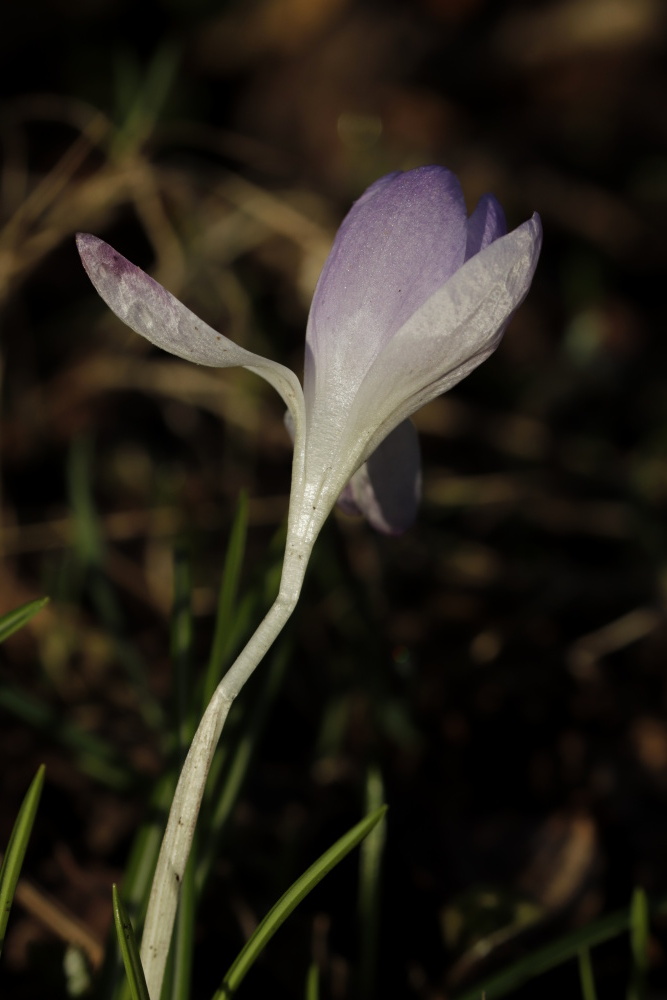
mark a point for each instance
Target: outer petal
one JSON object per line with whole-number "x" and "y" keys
{"x": 448, "y": 337}
{"x": 399, "y": 243}
{"x": 149, "y": 309}
{"x": 387, "y": 487}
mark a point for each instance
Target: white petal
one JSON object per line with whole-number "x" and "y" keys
{"x": 448, "y": 337}
{"x": 149, "y": 309}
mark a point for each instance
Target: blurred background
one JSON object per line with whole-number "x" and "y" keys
{"x": 503, "y": 665}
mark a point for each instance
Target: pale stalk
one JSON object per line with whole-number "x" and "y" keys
{"x": 179, "y": 833}
{"x": 187, "y": 799}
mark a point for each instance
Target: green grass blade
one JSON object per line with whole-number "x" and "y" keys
{"x": 141, "y": 93}
{"x": 16, "y": 619}
{"x": 16, "y": 848}
{"x": 128, "y": 949}
{"x": 91, "y": 551}
{"x": 139, "y": 871}
{"x": 370, "y": 867}
{"x": 554, "y": 954}
{"x": 94, "y": 756}
{"x": 140, "y": 867}
{"x": 137, "y": 881}
{"x": 182, "y": 637}
{"x": 586, "y": 977}
{"x": 313, "y": 983}
{"x": 639, "y": 932}
{"x": 87, "y": 534}
{"x": 241, "y": 752}
{"x": 224, "y": 622}
{"x": 291, "y": 899}
{"x": 184, "y": 933}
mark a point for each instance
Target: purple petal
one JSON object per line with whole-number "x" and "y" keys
{"x": 387, "y": 487}
{"x": 399, "y": 243}
{"x": 149, "y": 309}
{"x": 346, "y": 500}
{"x": 375, "y": 188}
{"x": 486, "y": 224}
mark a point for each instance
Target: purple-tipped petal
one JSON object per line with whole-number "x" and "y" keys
{"x": 149, "y": 309}
{"x": 486, "y": 224}
{"x": 387, "y": 487}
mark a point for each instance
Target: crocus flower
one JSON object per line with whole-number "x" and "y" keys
{"x": 413, "y": 296}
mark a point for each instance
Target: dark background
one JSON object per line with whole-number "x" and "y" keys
{"x": 503, "y": 664}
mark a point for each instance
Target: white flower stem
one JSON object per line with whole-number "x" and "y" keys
{"x": 187, "y": 799}
{"x": 304, "y": 522}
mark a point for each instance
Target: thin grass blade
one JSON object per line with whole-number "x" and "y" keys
{"x": 586, "y": 976}
{"x": 129, "y": 949}
{"x": 16, "y": 848}
{"x": 184, "y": 933}
{"x": 239, "y": 757}
{"x": 140, "y": 96}
{"x": 224, "y": 622}
{"x": 16, "y": 619}
{"x": 137, "y": 880}
{"x": 94, "y": 756}
{"x": 91, "y": 551}
{"x": 291, "y": 899}
{"x": 556, "y": 953}
{"x": 639, "y": 935}
{"x": 370, "y": 868}
{"x": 313, "y": 983}
{"x": 182, "y": 637}
{"x": 145, "y": 848}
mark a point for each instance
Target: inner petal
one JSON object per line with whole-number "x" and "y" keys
{"x": 486, "y": 224}
{"x": 399, "y": 243}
